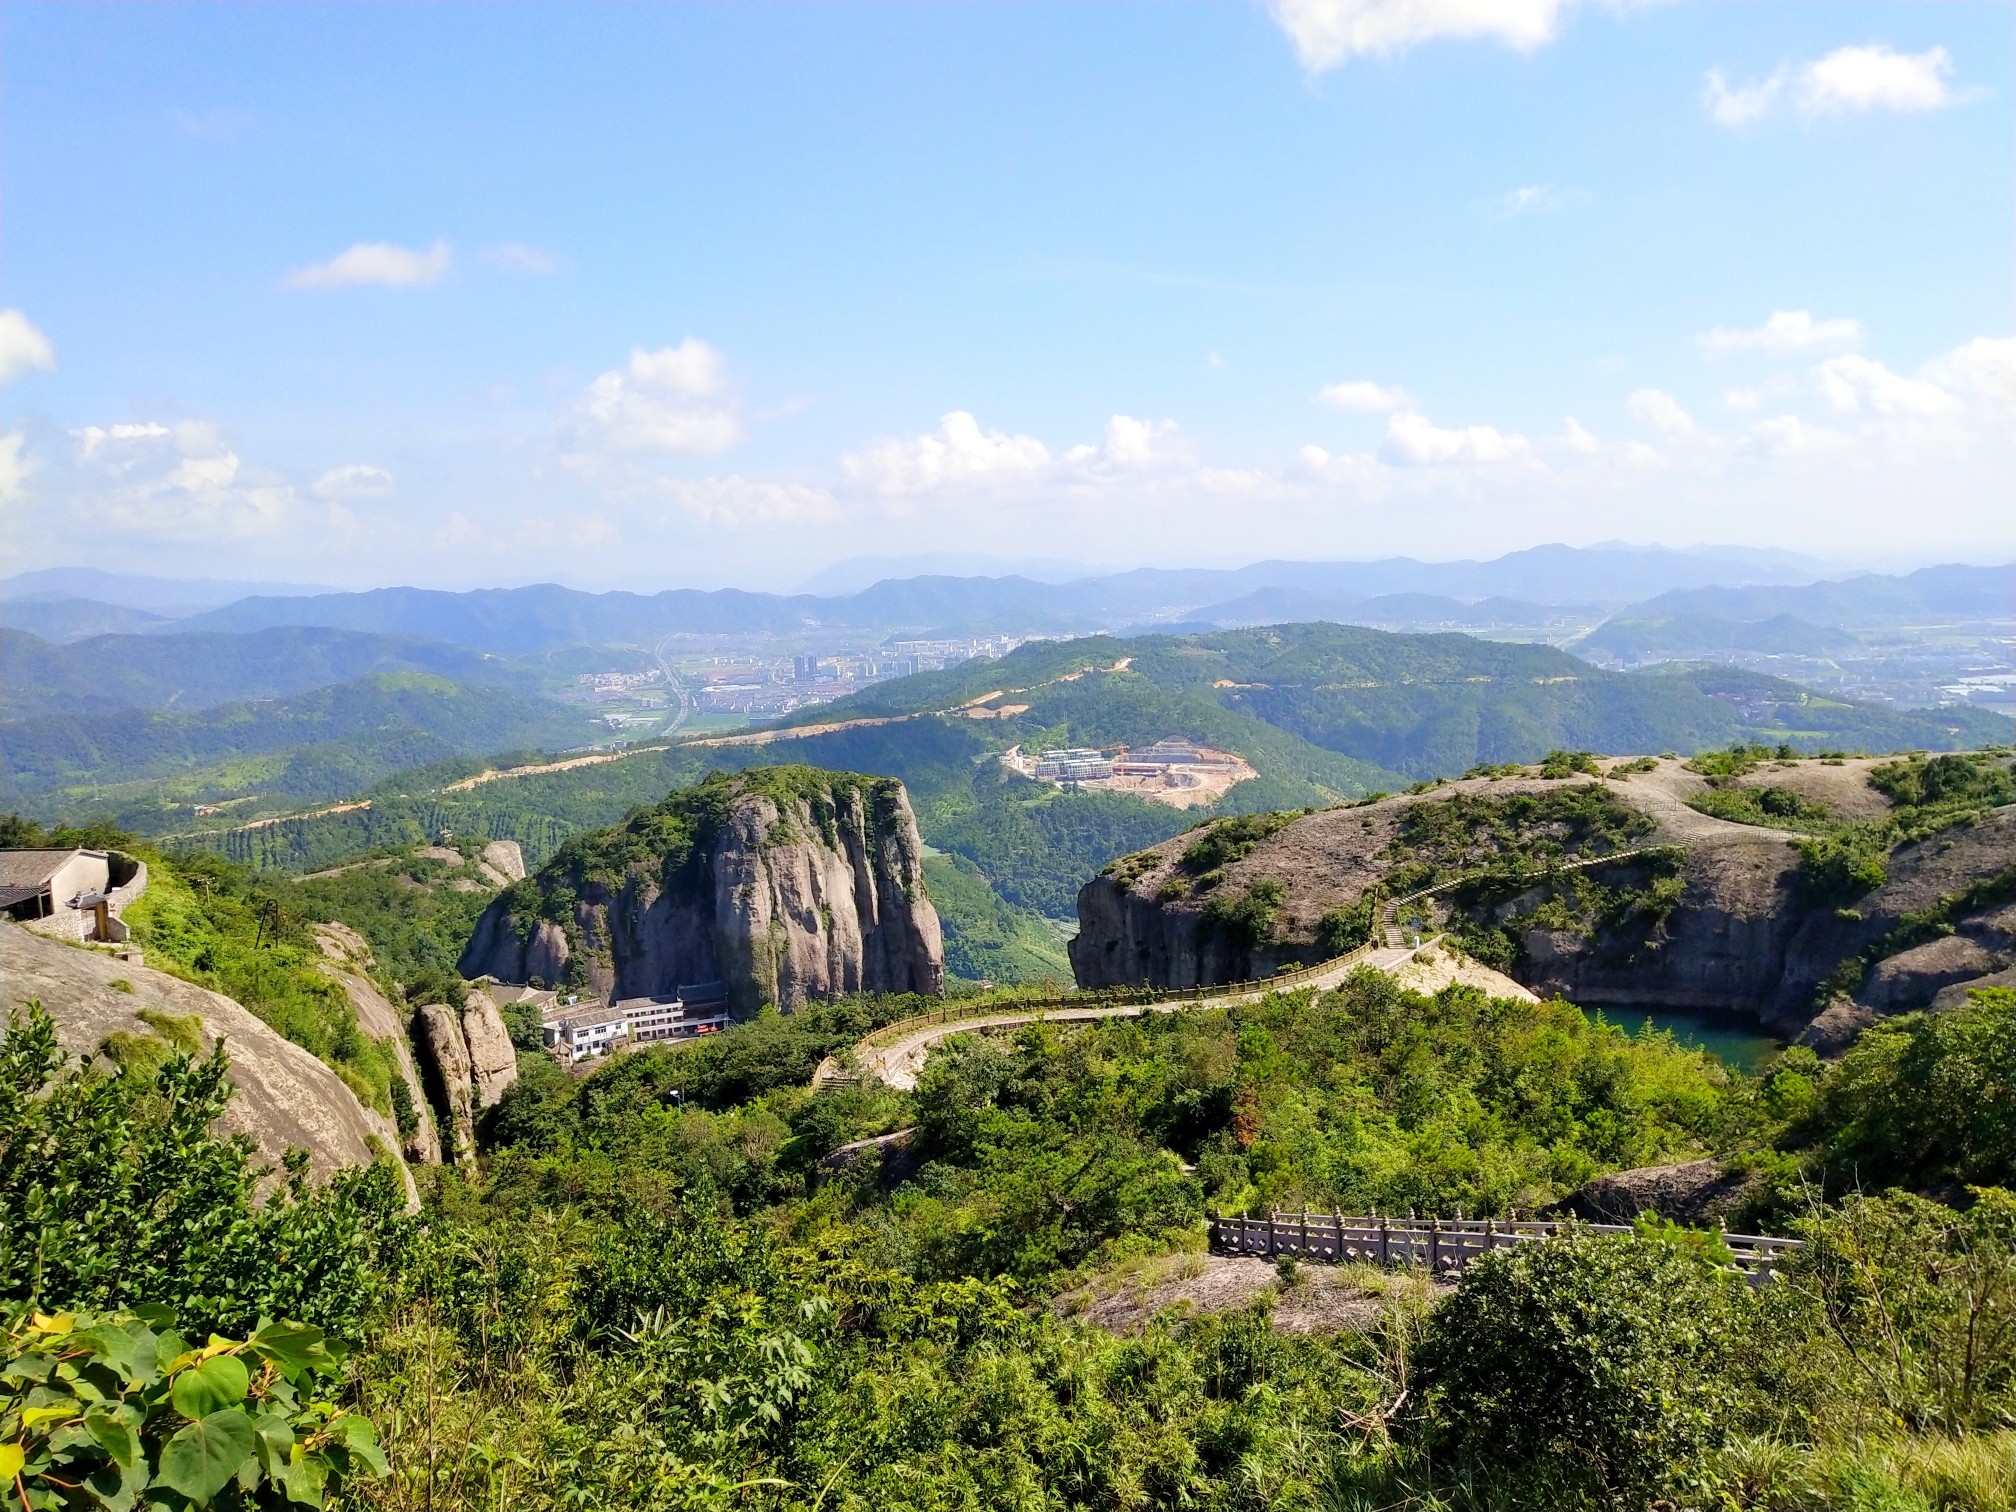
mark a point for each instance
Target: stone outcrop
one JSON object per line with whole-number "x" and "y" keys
{"x": 284, "y": 1097}
{"x": 472, "y": 1062}
{"x": 350, "y": 957}
{"x": 786, "y": 884}
{"x": 501, "y": 862}
{"x": 1698, "y": 1193}
{"x": 1747, "y": 936}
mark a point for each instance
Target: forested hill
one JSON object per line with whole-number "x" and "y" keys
{"x": 1423, "y": 705}
{"x": 327, "y": 744}
{"x": 198, "y": 670}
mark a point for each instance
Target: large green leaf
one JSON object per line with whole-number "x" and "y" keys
{"x": 217, "y": 1383}
{"x": 115, "y": 1437}
{"x": 293, "y": 1347}
{"x": 130, "y": 1350}
{"x": 304, "y": 1479}
{"x": 202, "y": 1457}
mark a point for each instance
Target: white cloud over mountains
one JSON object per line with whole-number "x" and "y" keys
{"x": 1847, "y": 80}
{"x": 1825, "y": 442}
{"x": 1326, "y": 33}
{"x": 1787, "y": 332}
{"x": 673, "y": 401}
{"x": 378, "y": 263}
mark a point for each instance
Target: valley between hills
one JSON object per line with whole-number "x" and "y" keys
{"x": 852, "y": 1065}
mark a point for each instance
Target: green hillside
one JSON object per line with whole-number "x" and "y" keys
{"x": 1432, "y": 705}
{"x": 148, "y": 768}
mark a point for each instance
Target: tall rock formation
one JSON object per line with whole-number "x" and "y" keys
{"x": 787, "y": 884}
{"x": 472, "y": 1060}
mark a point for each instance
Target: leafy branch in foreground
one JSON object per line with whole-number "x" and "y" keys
{"x": 119, "y": 1411}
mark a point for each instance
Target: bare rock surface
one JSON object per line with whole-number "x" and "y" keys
{"x": 493, "y": 1059}
{"x": 285, "y": 1097}
{"x": 1835, "y": 1027}
{"x": 795, "y": 885}
{"x": 504, "y": 858}
{"x": 1747, "y": 936}
{"x": 1698, "y": 1193}
{"x": 1914, "y": 978}
{"x": 350, "y": 956}
{"x": 439, "y": 1028}
{"x": 1436, "y": 966}
{"x": 1956, "y": 995}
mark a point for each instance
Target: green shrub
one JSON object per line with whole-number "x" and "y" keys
{"x": 1596, "y": 1364}
{"x": 114, "y": 1192}
{"x": 1916, "y": 1304}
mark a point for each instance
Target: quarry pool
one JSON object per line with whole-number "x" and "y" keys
{"x": 1742, "y": 1046}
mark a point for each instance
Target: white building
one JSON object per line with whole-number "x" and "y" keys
{"x": 672, "y": 1018}
{"x": 1075, "y": 764}
{"x": 582, "y": 1029}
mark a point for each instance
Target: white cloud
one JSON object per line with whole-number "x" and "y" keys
{"x": 735, "y": 501}
{"x": 14, "y": 467}
{"x": 1415, "y": 441}
{"x": 1876, "y": 77}
{"x": 23, "y": 349}
{"x": 1787, "y": 331}
{"x": 1533, "y": 198}
{"x": 663, "y": 401}
{"x": 1364, "y": 397}
{"x": 377, "y": 263}
{"x": 959, "y": 452}
{"x": 1854, "y": 384}
{"x": 182, "y": 484}
{"x": 1136, "y": 444}
{"x": 1985, "y": 368}
{"x": 1350, "y": 467}
{"x": 1744, "y": 104}
{"x": 1576, "y": 439}
{"x": 92, "y": 437}
{"x": 515, "y": 257}
{"x": 1743, "y": 401}
{"x": 355, "y": 480}
{"x": 1329, "y": 32}
{"x": 1660, "y": 411}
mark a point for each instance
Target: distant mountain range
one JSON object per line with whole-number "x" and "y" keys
{"x": 1398, "y": 592}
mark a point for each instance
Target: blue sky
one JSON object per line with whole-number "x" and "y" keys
{"x": 651, "y": 295}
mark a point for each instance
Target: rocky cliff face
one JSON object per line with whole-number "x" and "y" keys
{"x": 1722, "y": 921}
{"x": 284, "y": 1097}
{"x": 784, "y": 883}
{"x": 472, "y": 1061}
{"x": 350, "y": 957}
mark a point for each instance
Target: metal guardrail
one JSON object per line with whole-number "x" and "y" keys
{"x": 1443, "y": 1246}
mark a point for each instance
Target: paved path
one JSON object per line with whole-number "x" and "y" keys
{"x": 897, "y": 1063}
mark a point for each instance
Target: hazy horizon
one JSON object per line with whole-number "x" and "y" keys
{"x": 636, "y": 297}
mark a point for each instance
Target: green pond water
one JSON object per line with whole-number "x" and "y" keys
{"x": 1742, "y": 1046}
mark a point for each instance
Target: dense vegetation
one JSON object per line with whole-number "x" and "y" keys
{"x": 1436, "y": 705}
{"x": 192, "y": 671}
{"x": 146, "y": 767}
{"x": 651, "y": 1302}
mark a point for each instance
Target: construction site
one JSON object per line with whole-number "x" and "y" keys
{"x": 1174, "y": 771}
